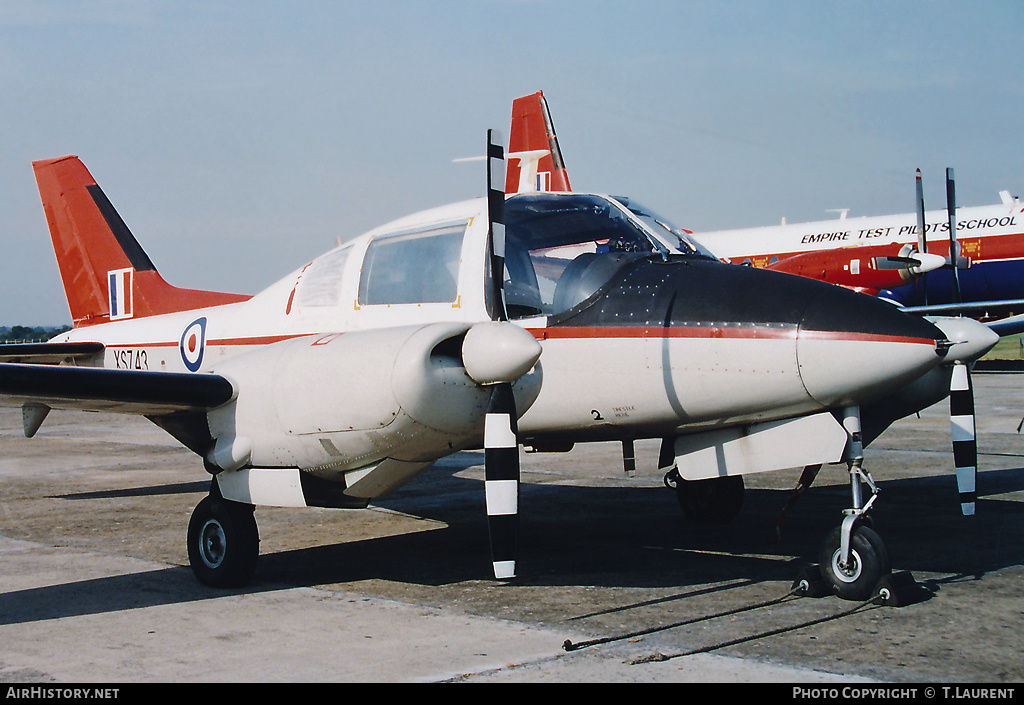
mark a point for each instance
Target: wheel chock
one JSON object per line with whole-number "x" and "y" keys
{"x": 900, "y": 589}
{"x": 810, "y": 583}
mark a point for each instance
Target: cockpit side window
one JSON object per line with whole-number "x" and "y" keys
{"x": 320, "y": 284}
{"x": 562, "y": 248}
{"x": 416, "y": 267}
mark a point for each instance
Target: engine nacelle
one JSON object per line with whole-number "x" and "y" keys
{"x": 368, "y": 408}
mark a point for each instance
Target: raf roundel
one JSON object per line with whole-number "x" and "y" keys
{"x": 192, "y": 344}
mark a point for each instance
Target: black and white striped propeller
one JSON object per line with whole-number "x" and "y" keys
{"x": 504, "y": 341}
{"x": 969, "y": 340}
{"x": 965, "y": 445}
{"x": 501, "y": 448}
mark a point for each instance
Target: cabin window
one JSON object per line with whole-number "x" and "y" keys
{"x": 417, "y": 267}
{"x": 320, "y": 284}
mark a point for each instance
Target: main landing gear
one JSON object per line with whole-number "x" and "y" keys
{"x": 223, "y": 541}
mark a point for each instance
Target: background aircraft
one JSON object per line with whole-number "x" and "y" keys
{"x": 544, "y": 319}
{"x": 887, "y": 255}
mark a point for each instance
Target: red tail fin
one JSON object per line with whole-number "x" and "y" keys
{"x": 106, "y": 274}
{"x": 534, "y": 159}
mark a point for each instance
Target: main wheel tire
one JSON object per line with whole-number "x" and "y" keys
{"x": 223, "y": 542}
{"x": 714, "y": 501}
{"x": 869, "y": 562}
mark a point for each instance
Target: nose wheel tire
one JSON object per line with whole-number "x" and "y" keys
{"x": 223, "y": 542}
{"x": 856, "y": 578}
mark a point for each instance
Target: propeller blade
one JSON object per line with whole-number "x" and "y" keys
{"x": 501, "y": 447}
{"x": 496, "y": 225}
{"x": 501, "y": 480}
{"x": 922, "y": 242}
{"x": 954, "y": 253}
{"x": 965, "y": 446}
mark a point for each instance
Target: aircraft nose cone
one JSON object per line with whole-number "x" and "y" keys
{"x": 852, "y": 348}
{"x": 969, "y": 338}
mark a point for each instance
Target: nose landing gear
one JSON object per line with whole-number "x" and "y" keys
{"x": 853, "y": 558}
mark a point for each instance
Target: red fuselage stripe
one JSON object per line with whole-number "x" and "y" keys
{"x": 738, "y": 332}
{"x": 613, "y": 332}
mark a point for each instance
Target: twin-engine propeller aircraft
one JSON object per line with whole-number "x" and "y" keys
{"x": 542, "y": 319}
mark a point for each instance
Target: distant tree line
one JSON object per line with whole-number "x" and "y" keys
{"x": 28, "y": 334}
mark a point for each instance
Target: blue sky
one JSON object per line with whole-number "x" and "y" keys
{"x": 238, "y": 140}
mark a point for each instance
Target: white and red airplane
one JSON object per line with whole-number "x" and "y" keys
{"x": 542, "y": 319}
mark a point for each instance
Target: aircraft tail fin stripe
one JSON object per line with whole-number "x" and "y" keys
{"x": 129, "y": 245}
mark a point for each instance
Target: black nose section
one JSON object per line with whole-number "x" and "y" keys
{"x": 648, "y": 291}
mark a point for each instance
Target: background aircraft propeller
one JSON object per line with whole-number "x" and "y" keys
{"x": 917, "y": 262}
{"x": 922, "y": 241}
{"x": 954, "y": 254}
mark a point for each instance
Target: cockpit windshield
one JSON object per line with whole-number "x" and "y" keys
{"x": 561, "y": 248}
{"x": 662, "y": 227}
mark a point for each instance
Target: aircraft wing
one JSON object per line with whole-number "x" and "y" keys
{"x": 971, "y": 308}
{"x": 1004, "y": 325}
{"x": 1007, "y": 326}
{"x": 120, "y": 391}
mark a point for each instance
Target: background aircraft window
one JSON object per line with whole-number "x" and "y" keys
{"x": 321, "y": 282}
{"x": 585, "y": 237}
{"x": 413, "y": 267}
